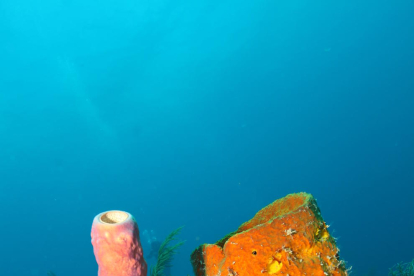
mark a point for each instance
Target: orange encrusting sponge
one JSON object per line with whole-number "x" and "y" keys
{"x": 288, "y": 237}
{"x": 116, "y": 244}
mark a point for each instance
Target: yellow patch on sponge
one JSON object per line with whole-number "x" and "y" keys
{"x": 325, "y": 235}
{"x": 274, "y": 267}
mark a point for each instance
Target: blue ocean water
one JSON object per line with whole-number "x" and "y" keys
{"x": 200, "y": 113}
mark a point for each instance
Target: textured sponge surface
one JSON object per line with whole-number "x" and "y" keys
{"x": 116, "y": 244}
{"x": 287, "y": 237}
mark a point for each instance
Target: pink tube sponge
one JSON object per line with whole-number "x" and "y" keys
{"x": 116, "y": 244}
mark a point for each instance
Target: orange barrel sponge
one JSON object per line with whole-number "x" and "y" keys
{"x": 116, "y": 244}
{"x": 287, "y": 237}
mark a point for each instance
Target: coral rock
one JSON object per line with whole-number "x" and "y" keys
{"x": 287, "y": 237}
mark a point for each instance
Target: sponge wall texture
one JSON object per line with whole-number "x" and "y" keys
{"x": 116, "y": 244}
{"x": 287, "y": 237}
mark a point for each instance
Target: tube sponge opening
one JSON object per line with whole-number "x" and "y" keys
{"x": 113, "y": 217}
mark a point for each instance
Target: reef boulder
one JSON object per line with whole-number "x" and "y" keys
{"x": 287, "y": 237}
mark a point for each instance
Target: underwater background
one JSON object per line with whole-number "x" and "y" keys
{"x": 200, "y": 113}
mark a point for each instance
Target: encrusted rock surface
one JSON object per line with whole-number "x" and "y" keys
{"x": 287, "y": 237}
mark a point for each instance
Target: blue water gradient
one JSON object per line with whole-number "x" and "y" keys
{"x": 200, "y": 113}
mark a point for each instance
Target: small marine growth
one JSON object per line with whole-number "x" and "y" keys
{"x": 402, "y": 269}
{"x": 166, "y": 253}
